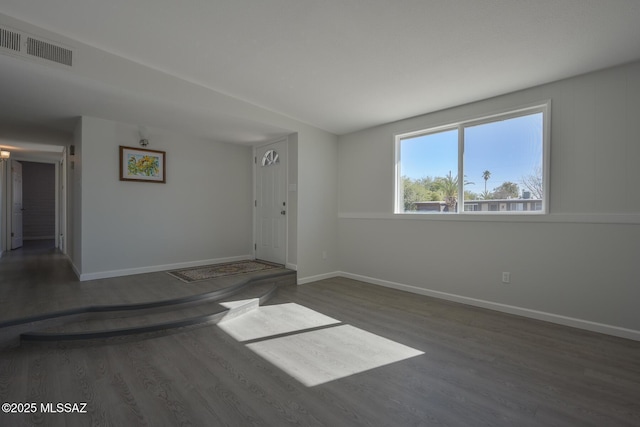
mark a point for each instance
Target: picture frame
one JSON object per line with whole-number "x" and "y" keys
{"x": 142, "y": 165}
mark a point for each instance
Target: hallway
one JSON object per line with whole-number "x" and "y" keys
{"x": 35, "y": 278}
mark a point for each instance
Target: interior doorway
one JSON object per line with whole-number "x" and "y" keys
{"x": 34, "y": 198}
{"x": 38, "y": 202}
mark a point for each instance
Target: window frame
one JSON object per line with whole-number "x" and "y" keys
{"x": 543, "y": 107}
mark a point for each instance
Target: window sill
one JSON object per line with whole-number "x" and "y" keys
{"x": 582, "y": 218}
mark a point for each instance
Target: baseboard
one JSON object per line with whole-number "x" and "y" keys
{"x": 305, "y": 280}
{"x": 156, "y": 268}
{"x": 519, "y": 311}
{"x": 290, "y": 266}
{"x": 75, "y": 269}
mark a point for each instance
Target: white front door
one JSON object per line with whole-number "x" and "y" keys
{"x": 16, "y": 205}
{"x": 271, "y": 202}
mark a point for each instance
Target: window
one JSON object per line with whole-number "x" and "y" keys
{"x": 270, "y": 158}
{"x": 502, "y": 160}
{"x": 517, "y": 206}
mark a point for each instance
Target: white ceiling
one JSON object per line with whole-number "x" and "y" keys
{"x": 340, "y": 65}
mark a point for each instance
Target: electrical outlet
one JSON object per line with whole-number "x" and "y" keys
{"x": 506, "y": 277}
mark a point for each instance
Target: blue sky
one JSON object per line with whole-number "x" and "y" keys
{"x": 509, "y": 149}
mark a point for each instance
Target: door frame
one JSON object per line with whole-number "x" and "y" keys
{"x": 7, "y": 205}
{"x": 4, "y": 201}
{"x": 60, "y": 201}
{"x": 254, "y": 250}
{"x": 10, "y": 229}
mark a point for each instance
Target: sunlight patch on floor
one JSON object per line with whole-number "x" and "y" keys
{"x": 270, "y": 320}
{"x": 312, "y": 347}
{"x": 240, "y": 303}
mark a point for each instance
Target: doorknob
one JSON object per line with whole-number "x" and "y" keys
{"x": 283, "y": 212}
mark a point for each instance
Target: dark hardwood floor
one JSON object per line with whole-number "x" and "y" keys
{"x": 475, "y": 367}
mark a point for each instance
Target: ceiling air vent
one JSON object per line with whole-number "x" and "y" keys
{"x": 49, "y": 51}
{"x": 28, "y": 46}
{"x": 10, "y": 40}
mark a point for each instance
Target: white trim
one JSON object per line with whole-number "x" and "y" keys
{"x": 155, "y": 268}
{"x": 58, "y": 187}
{"x": 582, "y": 218}
{"x": 428, "y": 126}
{"x": 75, "y": 269}
{"x": 305, "y": 280}
{"x": 519, "y": 311}
{"x": 546, "y": 157}
{"x": 290, "y": 266}
{"x": 398, "y": 193}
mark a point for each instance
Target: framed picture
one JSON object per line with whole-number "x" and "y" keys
{"x": 140, "y": 164}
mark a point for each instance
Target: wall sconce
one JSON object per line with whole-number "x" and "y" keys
{"x": 4, "y": 155}
{"x": 143, "y": 132}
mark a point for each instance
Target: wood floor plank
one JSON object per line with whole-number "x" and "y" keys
{"x": 222, "y": 371}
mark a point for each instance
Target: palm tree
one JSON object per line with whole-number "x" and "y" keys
{"x": 486, "y": 175}
{"x": 485, "y": 195}
{"x": 449, "y": 188}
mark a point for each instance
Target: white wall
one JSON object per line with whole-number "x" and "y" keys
{"x": 202, "y": 214}
{"x": 3, "y": 208}
{"x": 317, "y": 205}
{"x": 575, "y": 266}
{"x": 292, "y": 200}
{"x": 74, "y": 201}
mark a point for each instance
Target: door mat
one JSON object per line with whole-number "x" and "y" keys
{"x": 196, "y": 274}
